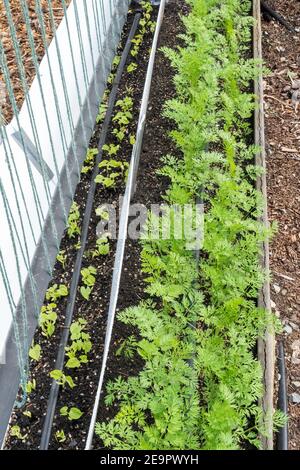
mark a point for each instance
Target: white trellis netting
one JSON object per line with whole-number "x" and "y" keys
{"x": 41, "y": 152}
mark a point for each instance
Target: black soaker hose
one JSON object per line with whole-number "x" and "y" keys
{"x": 283, "y": 436}
{"x": 46, "y": 434}
{"x": 266, "y": 9}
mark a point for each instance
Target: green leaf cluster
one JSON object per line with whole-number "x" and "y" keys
{"x": 73, "y": 227}
{"x": 80, "y": 345}
{"x": 56, "y": 291}
{"x": 47, "y": 320}
{"x": 89, "y": 160}
{"x": 72, "y": 414}
{"x": 88, "y": 278}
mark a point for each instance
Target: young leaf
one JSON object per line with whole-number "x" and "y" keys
{"x": 85, "y": 292}
{"x": 64, "y": 411}
{"x": 75, "y": 414}
{"x": 73, "y": 362}
{"x": 35, "y": 352}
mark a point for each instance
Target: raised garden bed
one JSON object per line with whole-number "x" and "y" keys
{"x": 182, "y": 371}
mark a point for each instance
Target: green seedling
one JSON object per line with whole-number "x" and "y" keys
{"x": 89, "y": 280}
{"x": 131, "y": 67}
{"x": 60, "y": 436}
{"x": 111, "y": 149}
{"x": 137, "y": 41}
{"x": 102, "y": 112}
{"x": 86, "y": 292}
{"x": 62, "y": 258}
{"x": 134, "y": 52}
{"x": 35, "y": 352}
{"x": 88, "y": 276}
{"x": 152, "y": 26}
{"x": 126, "y": 103}
{"x": 116, "y": 61}
{"x": 56, "y": 291}
{"x": 102, "y": 245}
{"x": 73, "y": 227}
{"x": 129, "y": 90}
{"x": 90, "y": 159}
{"x": 15, "y": 431}
{"x": 122, "y": 118}
{"x": 128, "y": 347}
{"x": 102, "y": 213}
{"x": 110, "y": 78}
{"x": 61, "y": 378}
{"x": 114, "y": 171}
{"x": 30, "y": 386}
{"x": 119, "y": 133}
{"x": 71, "y": 413}
{"x": 48, "y": 319}
{"x": 80, "y": 345}
{"x": 77, "y": 328}
{"x": 77, "y": 245}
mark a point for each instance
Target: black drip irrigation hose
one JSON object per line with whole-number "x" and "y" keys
{"x": 283, "y": 436}
{"x": 54, "y": 391}
{"x": 273, "y": 14}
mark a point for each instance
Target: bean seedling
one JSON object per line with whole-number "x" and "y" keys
{"x": 62, "y": 258}
{"x": 61, "y": 378}
{"x": 131, "y": 67}
{"x": 89, "y": 279}
{"x": 30, "y": 386}
{"x": 113, "y": 170}
{"x": 35, "y": 352}
{"x": 71, "y": 413}
{"x": 15, "y": 431}
{"x": 60, "y": 436}
{"x": 80, "y": 346}
{"x": 56, "y": 291}
{"x": 73, "y": 227}
{"x": 48, "y": 319}
{"x": 89, "y": 160}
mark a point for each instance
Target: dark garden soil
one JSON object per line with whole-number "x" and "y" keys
{"x": 6, "y": 40}
{"x": 281, "y": 51}
{"x": 149, "y": 190}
